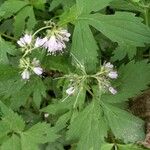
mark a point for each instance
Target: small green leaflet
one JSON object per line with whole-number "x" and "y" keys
{"x": 124, "y": 125}
{"x": 24, "y": 18}
{"x": 133, "y": 79}
{"x": 89, "y": 128}
{"x": 5, "y": 49}
{"x": 11, "y": 7}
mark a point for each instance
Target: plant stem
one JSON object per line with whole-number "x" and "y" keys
{"x": 9, "y": 37}
{"x": 146, "y": 14}
{"x": 43, "y": 28}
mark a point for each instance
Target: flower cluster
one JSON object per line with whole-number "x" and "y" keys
{"x": 103, "y": 77}
{"x": 107, "y": 72}
{"x": 54, "y": 41}
{"x": 30, "y": 67}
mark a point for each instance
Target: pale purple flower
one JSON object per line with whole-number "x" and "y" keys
{"x": 38, "y": 70}
{"x": 113, "y": 74}
{"x": 27, "y": 38}
{"x": 56, "y": 42}
{"x": 25, "y": 74}
{"x": 24, "y": 41}
{"x": 112, "y": 90}
{"x": 70, "y": 90}
{"x": 40, "y": 42}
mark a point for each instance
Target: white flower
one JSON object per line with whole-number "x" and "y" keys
{"x": 25, "y": 74}
{"x": 38, "y": 70}
{"x": 112, "y": 90}
{"x": 108, "y": 65}
{"x": 26, "y": 40}
{"x": 46, "y": 115}
{"x": 35, "y": 62}
{"x": 40, "y": 42}
{"x": 70, "y": 90}
{"x": 113, "y": 74}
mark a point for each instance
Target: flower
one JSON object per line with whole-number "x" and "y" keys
{"x": 38, "y": 70}
{"x": 40, "y": 42}
{"x": 46, "y": 115}
{"x": 25, "y": 74}
{"x": 36, "y": 67}
{"x": 24, "y": 41}
{"x": 56, "y": 40}
{"x": 70, "y": 90}
{"x": 108, "y": 65}
{"x": 113, "y": 74}
{"x": 35, "y": 62}
{"x": 112, "y": 90}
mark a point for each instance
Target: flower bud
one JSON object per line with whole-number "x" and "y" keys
{"x": 25, "y": 74}
{"x": 112, "y": 90}
{"x": 38, "y": 70}
{"x": 70, "y": 90}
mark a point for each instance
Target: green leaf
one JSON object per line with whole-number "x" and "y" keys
{"x": 129, "y": 147}
{"x": 5, "y": 49}
{"x": 11, "y": 7}
{"x": 11, "y": 120}
{"x": 57, "y": 63}
{"x": 56, "y": 108}
{"x": 54, "y": 4}
{"x": 13, "y": 143}
{"x": 62, "y": 121}
{"x": 38, "y": 4}
{"x": 39, "y": 92}
{"x": 25, "y": 18}
{"x": 125, "y": 5}
{"x": 123, "y": 50}
{"x": 37, "y": 134}
{"x": 89, "y": 128}
{"x": 124, "y": 125}
{"x": 107, "y": 146}
{"x": 23, "y": 91}
{"x": 86, "y": 6}
{"x": 7, "y": 72}
{"x": 123, "y": 27}
{"x": 133, "y": 79}
{"x": 66, "y": 4}
{"x": 85, "y": 51}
